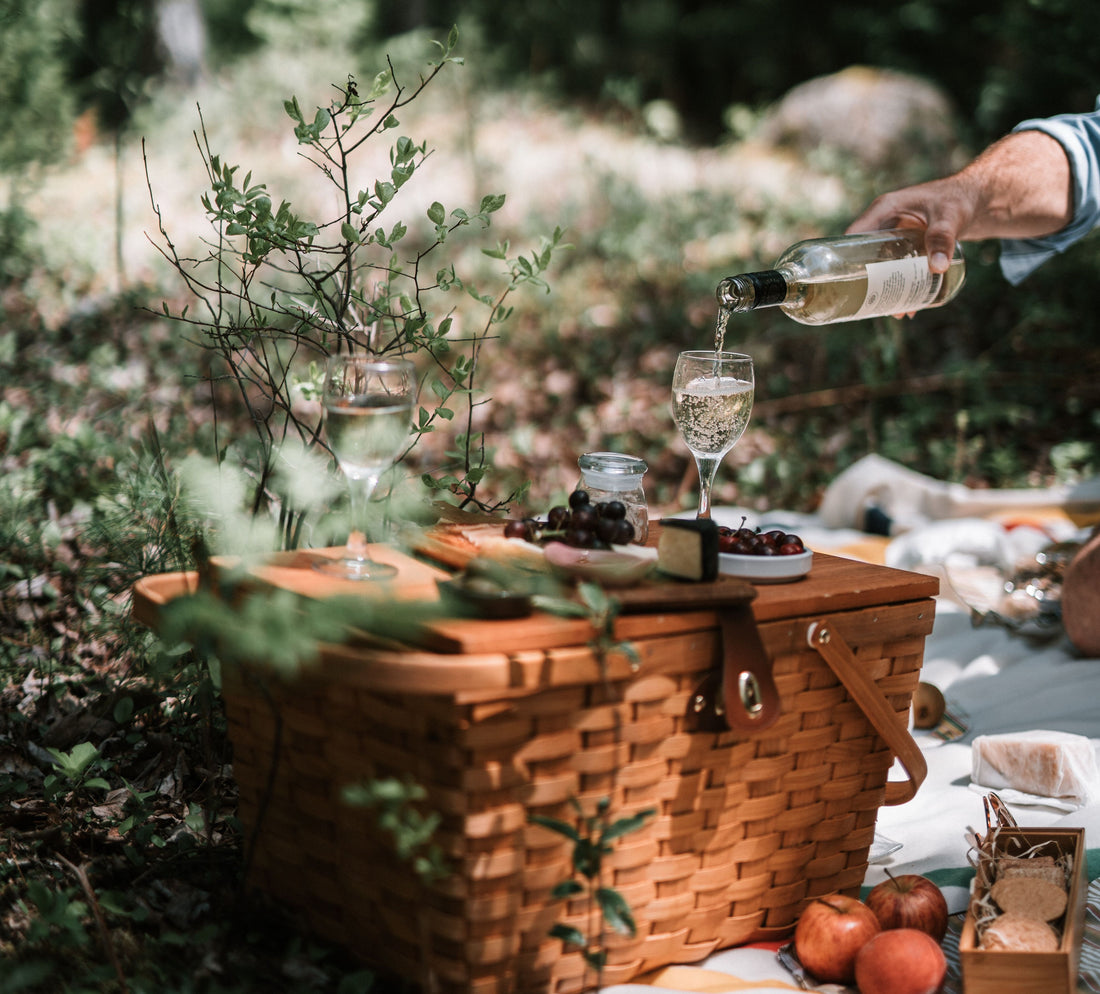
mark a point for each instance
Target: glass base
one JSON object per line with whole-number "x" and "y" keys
{"x": 355, "y": 569}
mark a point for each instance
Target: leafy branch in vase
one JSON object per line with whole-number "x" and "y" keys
{"x": 273, "y": 291}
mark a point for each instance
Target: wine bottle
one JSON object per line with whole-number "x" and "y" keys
{"x": 825, "y": 280}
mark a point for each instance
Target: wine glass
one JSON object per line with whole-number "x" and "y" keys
{"x": 712, "y": 396}
{"x": 368, "y": 413}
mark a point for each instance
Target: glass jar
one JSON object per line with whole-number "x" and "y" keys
{"x": 611, "y": 476}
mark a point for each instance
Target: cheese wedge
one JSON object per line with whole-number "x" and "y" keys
{"x": 688, "y": 549}
{"x": 1046, "y": 763}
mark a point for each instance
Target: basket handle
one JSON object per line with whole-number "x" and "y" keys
{"x": 835, "y": 651}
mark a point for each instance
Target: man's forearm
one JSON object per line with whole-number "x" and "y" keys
{"x": 1022, "y": 188}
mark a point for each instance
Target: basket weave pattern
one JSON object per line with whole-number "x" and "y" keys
{"x": 747, "y": 829}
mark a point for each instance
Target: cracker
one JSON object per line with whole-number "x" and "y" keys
{"x": 1013, "y": 932}
{"x": 1043, "y": 867}
{"x": 1031, "y": 897}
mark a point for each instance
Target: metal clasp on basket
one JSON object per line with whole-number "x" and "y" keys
{"x": 740, "y": 695}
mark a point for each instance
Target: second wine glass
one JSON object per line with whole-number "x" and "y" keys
{"x": 368, "y": 414}
{"x": 712, "y": 394}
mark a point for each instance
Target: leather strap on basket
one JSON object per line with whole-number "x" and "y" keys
{"x": 863, "y": 690}
{"x": 742, "y": 695}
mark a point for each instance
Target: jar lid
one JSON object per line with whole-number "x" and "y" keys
{"x": 612, "y": 470}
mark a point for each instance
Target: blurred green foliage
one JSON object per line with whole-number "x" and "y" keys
{"x": 35, "y": 107}
{"x": 1000, "y": 60}
{"x": 955, "y": 377}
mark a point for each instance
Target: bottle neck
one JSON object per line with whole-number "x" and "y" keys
{"x": 751, "y": 291}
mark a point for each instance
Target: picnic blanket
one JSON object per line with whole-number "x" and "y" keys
{"x": 994, "y": 679}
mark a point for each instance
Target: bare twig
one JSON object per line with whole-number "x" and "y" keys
{"x": 100, "y": 920}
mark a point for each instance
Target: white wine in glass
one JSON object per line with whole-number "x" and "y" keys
{"x": 712, "y": 394}
{"x": 368, "y": 413}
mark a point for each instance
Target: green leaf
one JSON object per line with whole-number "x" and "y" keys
{"x": 491, "y": 203}
{"x": 559, "y": 606}
{"x": 615, "y": 911}
{"x": 555, "y": 825}
{"x": 74, "y": 762}
{"x": 596, "y": 598}
{"x": 587, "y": 857}
{"x": 568, "y": 934}
{"x": 436, "y": 213}
{"x": 348, "y": 233}
{"x": 379, "y": 85}
{"x": 567, "y": 888}
{"x": 195, "y": 819}
{"x": 624, "y": 826}
{"x": 595, "y": 958}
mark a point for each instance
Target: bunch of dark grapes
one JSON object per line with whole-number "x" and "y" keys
{"x": 747, "y": 542}
{"x": 582, "y": 524}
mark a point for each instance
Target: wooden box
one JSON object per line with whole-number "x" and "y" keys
{"x": 502, "y": 720}
{"x": 1005, "y": 972}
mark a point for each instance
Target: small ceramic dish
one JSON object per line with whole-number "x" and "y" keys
{"x": 766, "y": 569}
{"x": 485, "y": 600}
{"x": 619, "y": 566}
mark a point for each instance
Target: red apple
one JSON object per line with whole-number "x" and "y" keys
{"x": 900, "y": 961}
{"x": 829, "y": 933}
{"x": 909, "y": 901}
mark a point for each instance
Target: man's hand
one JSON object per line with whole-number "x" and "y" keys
{"x": 1019, "y": 187}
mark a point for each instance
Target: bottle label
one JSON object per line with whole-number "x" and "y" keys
{"x": 898, "y": 287}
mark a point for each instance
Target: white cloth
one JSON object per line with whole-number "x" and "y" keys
{"x": 909, "y": 499}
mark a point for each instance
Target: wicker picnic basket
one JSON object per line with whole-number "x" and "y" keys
{"x": 502, "y": 720}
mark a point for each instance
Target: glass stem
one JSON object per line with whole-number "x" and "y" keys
{"x": 707, "y": 466}
{"x": 359, "y": 490}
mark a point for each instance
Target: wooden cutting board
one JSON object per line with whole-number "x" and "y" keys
{"x": 656, "y": 605}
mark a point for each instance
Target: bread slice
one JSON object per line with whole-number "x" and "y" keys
{"x": 1042, "y": 867}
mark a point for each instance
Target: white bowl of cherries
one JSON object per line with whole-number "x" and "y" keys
{"x": 773, "y": 556}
